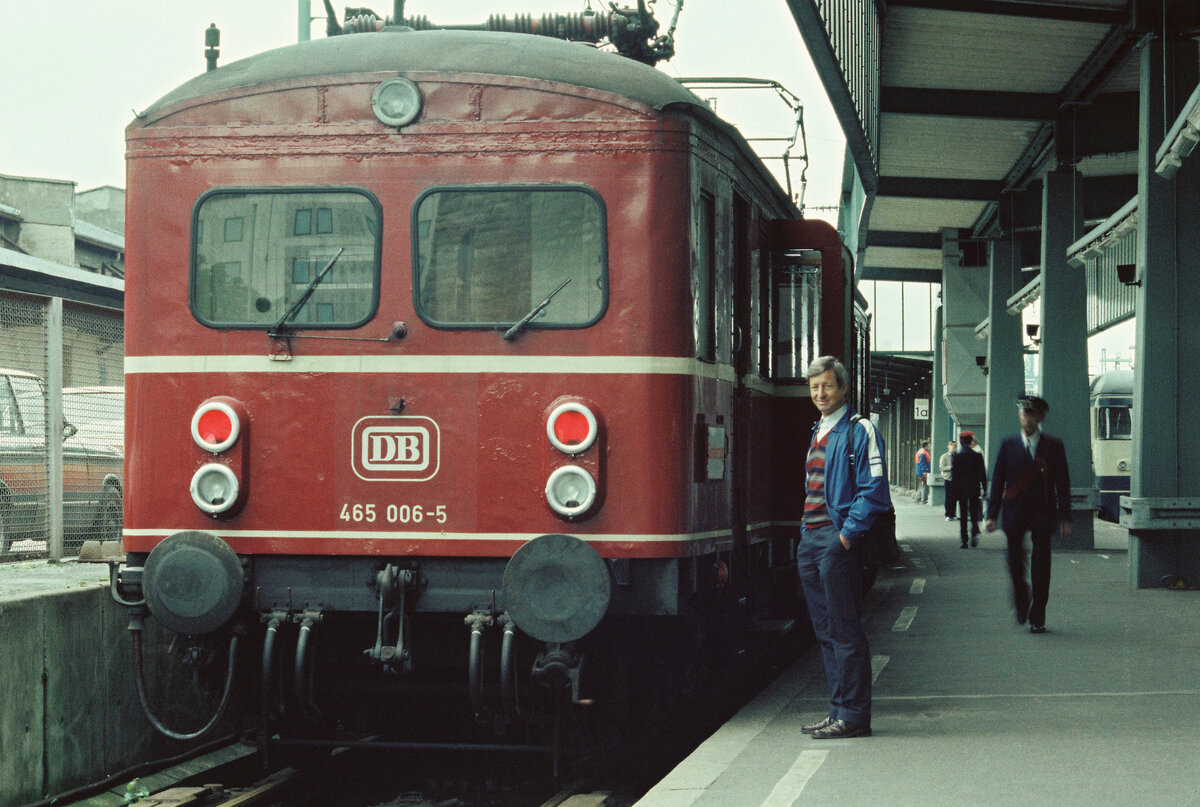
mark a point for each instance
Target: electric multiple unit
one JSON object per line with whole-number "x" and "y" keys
{"x": 441, "y": 340}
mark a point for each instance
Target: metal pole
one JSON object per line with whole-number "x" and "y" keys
{"x": 54, "y": 424}
{"x": 303, "y": 20}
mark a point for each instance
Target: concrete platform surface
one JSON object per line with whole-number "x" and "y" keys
{"x": 970, "y": 708}
{"x": 36, "y": 578}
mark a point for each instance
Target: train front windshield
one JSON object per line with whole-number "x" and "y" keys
{"x": 485, "y": 257}
{"x": 256, "y": 252}
{"x": 1113, "y": 420}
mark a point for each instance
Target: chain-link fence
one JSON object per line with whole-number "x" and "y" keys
{"x": 61, "y": 425}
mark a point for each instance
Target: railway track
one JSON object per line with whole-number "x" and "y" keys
{"x": 353, "y": 777}
{"x": 374, "y": 772}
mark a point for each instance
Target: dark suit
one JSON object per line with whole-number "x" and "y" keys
{"x": 970, "y": 483}
{"x": 1034, "y": 495}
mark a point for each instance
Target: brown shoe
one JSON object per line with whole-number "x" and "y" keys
{"x": 840, "y": 730}
{"x": 823, "y": 723}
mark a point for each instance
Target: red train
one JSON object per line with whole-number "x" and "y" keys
{"x": 440, "y": 342}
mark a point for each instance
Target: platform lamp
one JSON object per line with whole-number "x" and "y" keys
{"x": 1031, "y": 330}
{"x": 981, "y": 361}
{"x": 1127, "y": 274}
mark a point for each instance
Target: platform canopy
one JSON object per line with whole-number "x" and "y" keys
{"x": 954, "y": 110}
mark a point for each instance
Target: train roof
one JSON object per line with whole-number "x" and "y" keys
{"x": 503, "y": 54}
{"x": 1113, "y": 382}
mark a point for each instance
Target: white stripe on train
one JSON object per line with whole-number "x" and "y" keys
{"x": 587, "y": 365}
{"x": 382, "y": 535}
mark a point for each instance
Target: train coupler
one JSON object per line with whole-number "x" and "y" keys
{"x": 391, "y": 584}
{"x": 561, "y": 664}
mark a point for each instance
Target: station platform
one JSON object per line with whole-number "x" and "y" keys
{"x": 969, "y": 707}
{"x": 71, "y": 716}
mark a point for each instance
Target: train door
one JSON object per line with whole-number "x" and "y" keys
{"x": 813, "y": 281}
{"x": 742, "y": 441}
{"x": 810, "y": 311}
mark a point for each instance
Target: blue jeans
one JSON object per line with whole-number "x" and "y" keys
{"x": 833, "y": 590}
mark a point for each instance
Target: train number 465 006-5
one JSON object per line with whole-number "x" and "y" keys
{"x": 393, "y": 513}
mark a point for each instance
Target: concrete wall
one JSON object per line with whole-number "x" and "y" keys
{"x": 103, "y": 206}
{"x": 70, "y": 714}
{"x": 48, "y": 215}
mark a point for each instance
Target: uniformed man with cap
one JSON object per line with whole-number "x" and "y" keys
{"x": 1031, "y": 492}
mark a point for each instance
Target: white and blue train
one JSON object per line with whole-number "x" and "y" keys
{"x": 1112, "y": 437}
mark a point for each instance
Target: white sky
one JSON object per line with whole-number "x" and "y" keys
{"x": 74, "y": 77}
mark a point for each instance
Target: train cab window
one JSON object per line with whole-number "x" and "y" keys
{"x": 486, "y": 257}
{"x": 285, "y": 238}
{"x": 797, "y": 314}
{"x": 1114, "y": 423}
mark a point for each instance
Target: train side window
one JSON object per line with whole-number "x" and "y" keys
{"x": 285, "y": 237}
{"x": 766, "y": 312}
{"x": 797, "y": 312}
{"x": 706, "y": 285}
{"x": 484, "y": 257}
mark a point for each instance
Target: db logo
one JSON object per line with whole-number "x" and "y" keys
{"x": 396, "y": 449}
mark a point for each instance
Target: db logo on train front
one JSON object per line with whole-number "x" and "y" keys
{"x": 395, "y": 449}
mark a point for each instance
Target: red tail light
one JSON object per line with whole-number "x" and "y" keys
{"x": 572, "y": 428}
{"x": 215, "y": 426}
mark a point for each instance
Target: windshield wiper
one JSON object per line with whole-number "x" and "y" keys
{"x": 537, "y": 309}
{"x": 312, "y": 286}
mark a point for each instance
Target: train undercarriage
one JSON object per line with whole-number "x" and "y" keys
{"x": 553, "y": 651}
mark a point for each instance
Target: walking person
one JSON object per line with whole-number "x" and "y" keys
{"x": 1031, "y": 492}
{"x": 971, "y": 475}
{"x": 922, "y": 464}
{"x": 843, "y": 497}
{"x": 944, "y": 468}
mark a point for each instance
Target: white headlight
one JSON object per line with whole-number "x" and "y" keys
{"x": 570, "y": 491}
{"x": 396, "y": 102}
{"x": 214, "y": 488}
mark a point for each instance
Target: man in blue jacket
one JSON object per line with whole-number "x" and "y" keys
{"x": 842, "y": 499}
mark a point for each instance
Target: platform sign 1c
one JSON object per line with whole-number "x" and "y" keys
{"x": 921, "y": 409}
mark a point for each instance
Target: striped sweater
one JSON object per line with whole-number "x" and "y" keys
{"x": 816, "y": 512}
